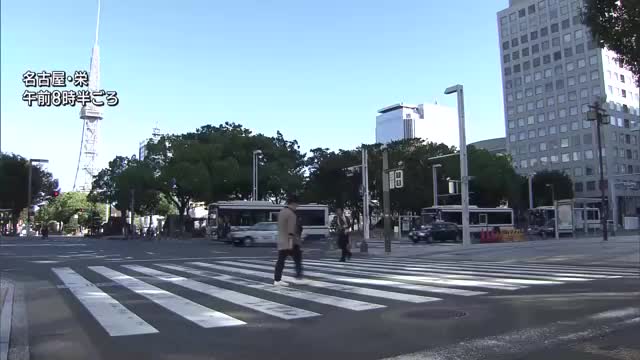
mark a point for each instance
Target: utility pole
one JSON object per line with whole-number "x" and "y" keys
{"x": 530, "y": 176}
{"x": 434, "y": 174}
{"x": 599, "y": 115}
{"x": 29, "y": 176}
{"x": 386, "y": 199}
{"x": 254, "y": 191}
{"x": 364, "y": 246}
{"x": 133, "y": 192}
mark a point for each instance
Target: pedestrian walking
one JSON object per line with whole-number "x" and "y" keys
{"x": 342, "y": 230}
{"x": 289, "y": 241}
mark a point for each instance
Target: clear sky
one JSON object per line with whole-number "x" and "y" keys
{"x": 316, "y": 70}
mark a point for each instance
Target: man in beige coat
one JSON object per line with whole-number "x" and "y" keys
{"x": 289, "y": 240}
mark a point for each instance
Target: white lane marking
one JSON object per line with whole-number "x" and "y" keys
{"x": 45, "y": 262}
{"x": 613, "y": 314}
{"x": 265, "y": 306}
{"x": 454, "y": 270}
{"x": 185, "y": 259}
{"x": 116, "y": 319}
{"x": 188, "y": 309}
{"x": 398, "y": 284}
{"x": 328, "y": 285}
{"x": 498, "y": 269}
{"x": 583, "y": 271}
{"x": 377, "y": 281}
{"x": 445, "y": 276}
{"x": 349, "y": 304}
{"x": 40, "y": 245}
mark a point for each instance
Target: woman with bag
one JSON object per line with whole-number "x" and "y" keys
{"x": 342, "y": 230}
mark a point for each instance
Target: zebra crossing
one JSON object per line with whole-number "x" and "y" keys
{"x": 361, "y": 285}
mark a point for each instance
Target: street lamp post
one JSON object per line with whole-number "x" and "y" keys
{"x": 600, "y": 116}
{"x": 530, "y": 176}
{"x": 364, "y": 246}
{"x": 254, "y": 192}
{"x": 386, "y": 200}
{"x": 31, "y": 161}
{"x": 555, "y": 210}
{"x": 434, "y": 174}
{"x": 464, "y": 176}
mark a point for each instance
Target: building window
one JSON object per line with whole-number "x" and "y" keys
{"x": 554, "y": 159}
{"x": 555, "y": 28}
{"x": 531, "y": 9}
{"x": 591, "y": 185}
{"x": 596, "y": 90}
{"x": 565, "y": 23}
{"x": 521, "y": 122}
{"x": 514, "y": 42}
{"x": 557, "y": 55}
{"x": 552, "y": 130}
{"x": 535, "y": 48}
{"x": 579, "y": 34}
{"x": 544, "y": 31}
{"x": 593, "y": 60}
{"x": 566, "y": 157}
{"x": 568, "y": 52}
{"x": 587, "y": 139}
{"x": 582, "y": 78}
{"x": 580, "y": 49}
{"x": 523, "y": 164}
{"x": 595, "y": 74}
{"x": 512, "y": 124}
{"x": 539, "y": 104}
{"x": 621, "y": 77}
{"x": 516, "y": 68}
{"x": 530, "y": 120}
{"x": 545, "y": 45}
{"x": 555, "y": 42}
{"x": 546, "y": 59}
{"x": 562, "y": 98}
{"x": 577, "y": 171}
{"x": 578, "y": 187}
{"x": 512, "y": 138}
{"x": 520, "y": 109}
{"x": 506, "y": 58}
{"x": 623, "y": 93}
{"x": 573, "y": 110}
{"x": 576, "y": 156}
{"x": 507, "y": 71}
{"x": 573, "y": 96}
{"x": 522, "y": 136}
{"x": 559, "y": 84}
{"x": 532, "y": 134}
{"x": 588, "y": 171}
{"x": 530, "y": 106}
{"x": 543, "y": 161}
{"x": 564, "y": 142}
{"x": 536, "y": 62}
{"x": 541, "y": 118}
{"x": 584, "y": 93}
{"x": 564, "y": 128}
{"x": 551, "y": 115}
{"x": 570, "y": 66}
{"x": 575, "y": 125}
{"x": 542, "y": 132}
{"x": 562, "y": 113}
{"x": 551, "y": 101}
{"x": 532, "y": 148}
{"x": 521, "y": 13}
{"x": 586, "y": 124}
{"x": 566, "y": 38}
{"x": 581, "y": 63}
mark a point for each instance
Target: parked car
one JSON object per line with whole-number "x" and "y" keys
{"x": 260, "y": 233}
{"x": 440, "y": 231}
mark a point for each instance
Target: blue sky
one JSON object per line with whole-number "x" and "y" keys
{"x": 316, "y": 70}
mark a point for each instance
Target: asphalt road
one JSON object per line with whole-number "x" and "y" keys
{"x": 196, "y": 299}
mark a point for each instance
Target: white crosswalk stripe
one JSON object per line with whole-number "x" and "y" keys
{"x": 188, "y": 309}
{"x": 252, "y": 302}
{"x": 393, "y": 281}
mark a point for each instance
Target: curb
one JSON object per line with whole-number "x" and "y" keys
{"x": 14, "y": 340}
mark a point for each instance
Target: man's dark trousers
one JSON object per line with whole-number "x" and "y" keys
{"x": 296, "y": 253}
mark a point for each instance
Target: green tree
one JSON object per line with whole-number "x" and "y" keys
{"x": 562, "y": 187}
{"x": 616, "y": 25}
{"x": 14, "y": 172}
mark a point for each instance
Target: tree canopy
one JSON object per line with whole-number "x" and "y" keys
{"x": 615, "y": 25}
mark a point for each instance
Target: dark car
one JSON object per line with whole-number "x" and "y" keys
{"x": 544, "y": 231}
{"x": 439, "y": 231}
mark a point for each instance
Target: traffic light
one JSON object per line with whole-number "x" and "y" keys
{"x": 55, "y": 193}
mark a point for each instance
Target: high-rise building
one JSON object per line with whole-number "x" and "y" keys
{"x": 496, "y": 146}
{"x": 430, "y": 122}
{"x": 552, "y": 71}
{"x": 142, "y": 149}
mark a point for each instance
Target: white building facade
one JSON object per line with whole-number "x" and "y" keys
{"x": 552, "y": 71}
{"x": 430, "y": 122}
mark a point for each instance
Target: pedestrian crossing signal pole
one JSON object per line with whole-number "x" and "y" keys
{"x": 386, "y": 200}
{"x": 599, "y": 115}
{"x": 364, "y": 247}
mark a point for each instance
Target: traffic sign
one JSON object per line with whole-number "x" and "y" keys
{"x": 399, "y": 179}
{"x": 392, "y": 180}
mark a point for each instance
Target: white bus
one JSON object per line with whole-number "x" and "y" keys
{"x": 243, "y": 214}
{"x": 479, "y": 218}
{"x": 582, "y": 216}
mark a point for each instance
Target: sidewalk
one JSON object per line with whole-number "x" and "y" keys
{"x": 13, "y": 322}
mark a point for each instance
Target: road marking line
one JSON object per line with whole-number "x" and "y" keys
{"x": 388, "y": 269}
{"x": 454, "y": 270}
{"x": 116, "y": 319}
{"x": 499, "y": 269}
{"x": 362, "y": 291}
{"x": 265, "y": 306}
{"x": 391, "y": 283}
{"x": 349, "y": 304}
{"x": 451, "y": 274}
{"x": 188, "y": 309}
{"x": 583, "y": 271}
{"x": 328, "y": 285}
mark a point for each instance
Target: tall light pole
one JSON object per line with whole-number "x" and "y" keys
{"x": 530, "y": 176}
{"x": 555, "y": 210}
{"x": 364, "y": 247}
{"x": 31, "y": 161}
{"x": 386, "y": 200}
{"x": 434, "y": 174}
{"x": 254, "y": 192}
{"x": 464, "y": 176}
{"x": 599, "y": 115}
